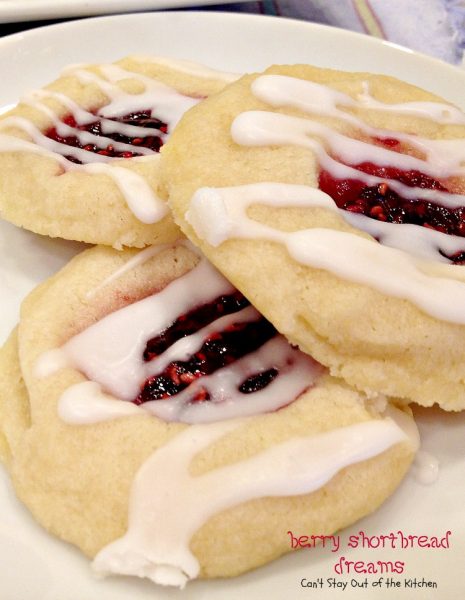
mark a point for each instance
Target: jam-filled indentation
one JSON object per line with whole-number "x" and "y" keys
{"x": 153, "y": 140}
{"x": 382, "y": 203}
{"x": 192, "y": 321}
{"x": 218, "y": 350}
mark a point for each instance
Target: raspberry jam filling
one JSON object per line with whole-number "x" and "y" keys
{"x": 192, "y": 321}
{"x": 382, "y": 203}
{"x": 141, "y": 118}
{"x": 219, "y": 349}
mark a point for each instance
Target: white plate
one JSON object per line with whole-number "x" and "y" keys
{"x": 30, "y": 10}
{"x": 33, "y": 565}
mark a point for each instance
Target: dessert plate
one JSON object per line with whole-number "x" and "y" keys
{"x": 34, "y": 564}
{"x": 29, "y": 10}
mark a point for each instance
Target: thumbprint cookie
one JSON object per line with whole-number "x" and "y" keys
{"x": 161, "y": 421}
{"x": 335, "y": 202}
{"x": 79, "y": 159}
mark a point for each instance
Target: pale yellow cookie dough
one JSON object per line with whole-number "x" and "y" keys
{"x": 37, "y": 193}
{"x": 14, "y": 402}
{"x": 76, "y": 480}
{"x": 374, "y": 342}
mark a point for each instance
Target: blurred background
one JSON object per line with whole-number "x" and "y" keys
{"x": 434, "y": 27}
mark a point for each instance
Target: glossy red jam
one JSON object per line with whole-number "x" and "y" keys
{"x": 382, "y": 203}
{"x": 218, "y": 350}
{"x": 141, "y": 118}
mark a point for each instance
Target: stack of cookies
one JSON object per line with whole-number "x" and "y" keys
{"x": 277, "y": 278}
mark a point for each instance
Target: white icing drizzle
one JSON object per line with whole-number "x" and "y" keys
{"x": 139, "y": 196}
{"x": 297, "y": 372}
{"x": 425, "y": 468}
{"x": 312, "y": 97}
{"x": 261, "y": 128}
{"x": 169, "y": 105}
{"x": 110, "y": 352}
{"x": 218, "y": 214}
{"x": 45, "y": 146}
{"x": 405, "y": 421}
{"x": 83, "y": 117}
{"x": 85, "y": 403}
{"x": 156, "y": 544}
{"x": 186, "y": 346}
{"x": 437, "y": 111}
{"x": 138, "y": 259}
{"x": 414, "y": 239}
{"x": 50, "y": 362}
{"x": 35, "y": 99}
{"x": 221, "y": 214}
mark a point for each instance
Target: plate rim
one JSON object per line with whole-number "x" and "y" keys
{"x": 295, "y": 568}
{"x": 221, "y": 14}
{"x": 40, "y": 10}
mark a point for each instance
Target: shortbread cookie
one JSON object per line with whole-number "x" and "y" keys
{"x": 79, "y": 158}
{"x": 151, "y": 381}
{"x": 14, "y": 403}
{"x": 299, "y": 172}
